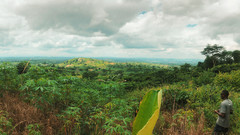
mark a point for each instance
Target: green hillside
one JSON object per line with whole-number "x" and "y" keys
{"x": 90, "y": 96}
{"x": 86, "y": 62}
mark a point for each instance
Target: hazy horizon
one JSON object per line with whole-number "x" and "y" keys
{"x": 123, "y": 29}
{"x": 167, "y": 61}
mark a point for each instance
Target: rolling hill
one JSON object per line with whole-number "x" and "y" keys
{"x": 86, "y": 62}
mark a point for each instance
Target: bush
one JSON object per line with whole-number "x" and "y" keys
{"x": 206, "y": 77}
{"x": 225, "y": 68}
{"x": 5, "y": 123}
{"x": 230, "y": 81}
{"x": 8, "y": 77}
{"x": 90, "y": 75}
{"x": 175, "y": 97}
{"x": 234, "y": 122}
{"x": 23, "y": 67}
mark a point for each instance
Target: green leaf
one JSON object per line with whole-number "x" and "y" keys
{"x": 148, "y": 113}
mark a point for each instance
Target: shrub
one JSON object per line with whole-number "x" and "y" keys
{"x": 230, "y": 81}
{"x": 90, "y": 75}
{"x": 175, "y": 97}
{"x": 23, "y": 67}
{"x": 8, "y": 77}
{"x": 226, "y": 68}
{"x": 5, "y": 123}
{"x": 206, "y": 77}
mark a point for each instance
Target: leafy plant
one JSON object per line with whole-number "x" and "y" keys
{"x": 72, "y": 119}
{"x": 229, "y": 81}
{"x": 33, "y": 129}
{"x": 8, "y": 78}
{"x": 5, "y": 123}
{"x": 148, "y": 113}
{"x": 175, "y": 96}
{"x": 42, "y": 92}
{"x": 23, "y": 67}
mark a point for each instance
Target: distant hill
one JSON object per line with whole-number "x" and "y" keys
{"x": 86, "y": 62}
{"x": 162, "y": 61}
{"x": 98, "y": 60}
{"x": 35, "y": 59}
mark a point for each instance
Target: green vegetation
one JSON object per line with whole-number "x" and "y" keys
{"x": 23, "y": 67}
{"x": 88, "y": 96}
{"x": 148, "y": 113}
{"x": 217, "y": 55}
{"x": 86, "y": 62}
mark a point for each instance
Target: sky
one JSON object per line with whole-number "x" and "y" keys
{"x": 117, "y": 28}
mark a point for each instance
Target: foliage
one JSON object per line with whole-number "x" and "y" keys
{"x": 90, "y": 75}
{"x": 175, "y": 97}
{"x": 23, "y": 67}
{"x": 217, "y": 55}
{"x": 236, "y": 56}
{"x": 33, "y": 129}
{"x": 225, "y": 68}
{"x": 72, "y": 120}
{"x": 208, "y": 62}
{"x": 37, "y": 72}
{"x": 148, "y": 113}
{"x": 8, "y": 78}
{"x": 205, "y": 78}
{"x": 229, "y": 81}
{"x": 107, "y": 101}
{"x": 183, "y": 117}
{"x": 202, "y": 103}
{"x": 212, "y": 50}
{"x": 43, "y": 93}
{"x": 87, "y": 62}
{"x": 5, "y": 123}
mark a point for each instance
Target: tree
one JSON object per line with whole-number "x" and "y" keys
{"x": 200, "y": 65}
{"x": 186, "y": 67}
{"x": 208, "y": 62}
{"x": 236, "y": 56}
{"x": 226, "y": 57}
{"x": 89, "y": 75}
{"x": 213, "y": 52}
{"x": 23, "y": 67}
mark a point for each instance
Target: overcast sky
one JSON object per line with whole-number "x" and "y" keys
{"x": 117, "y": 28}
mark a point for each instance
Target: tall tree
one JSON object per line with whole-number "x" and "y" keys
{"x": 226, "y": 57}
{"x": 213, "y": 52}
{"x": 185, "y": 68}
{"x": 236, "y": 56}
{"x": 208, "y": 62}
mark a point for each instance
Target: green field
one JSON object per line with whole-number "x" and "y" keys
{"x": 90, "y": 96}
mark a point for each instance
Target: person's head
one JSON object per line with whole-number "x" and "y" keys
{"x": 224, "y": 94}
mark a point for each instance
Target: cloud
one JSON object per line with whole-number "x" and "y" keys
{"x": 237, "y": 39}
{"x": 226, "y": 25}
{"x": 134, "y": 41}
{"x": 80, "y": 17}
{"x": 156, "y": 30}
{"x": 5, "y": 39}
{"x": 180, "y": 8}
{"x": 120, "y": 28}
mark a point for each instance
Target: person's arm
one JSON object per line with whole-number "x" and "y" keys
{"x": 220, "y": 114}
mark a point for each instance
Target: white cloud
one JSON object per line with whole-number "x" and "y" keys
{"x": 80, "y": 17}
{"x": 120, "y": 28}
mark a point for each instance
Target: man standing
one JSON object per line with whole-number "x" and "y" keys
{"x": 224, "y": 112}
